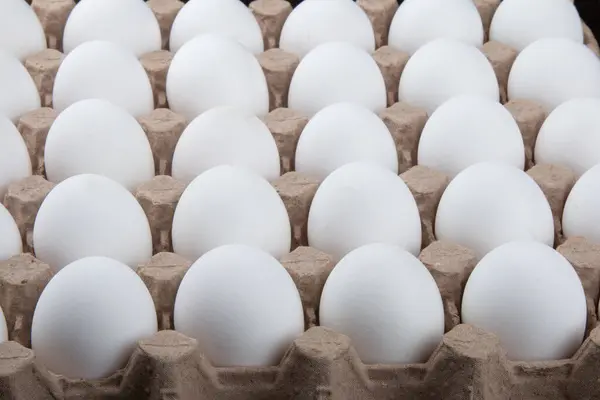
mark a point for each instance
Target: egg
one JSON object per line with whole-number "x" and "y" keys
{"x": 225, "y": 135}
{"x": 211, "y": 71}
{"x": 90, "y": 317}
{"x": 241, "y": 305}
{"x": 362, "y": 203}
{"x": 417, "y": 22}
{"x": 469, "y": 129}
{"x": 11, "y": 244}
{"x": 112, "y": 20}
{"x": 15, "y": 163}
{"x": 103, "y": 70}
{"x": 518, "y": 23}
{"x": 575, "y": 73}
{"x": 19, "y": 94}
{"x": 91, "y": 215}
{"x": 230, "y": 18}
{"x": 342, "y": 133}
{"x": 531, "y": 298}
{"x": 3, "y": 328}
{"x": 230, "y": 205}
{"x": 570, "y": 135}
{"x": 445, "y": 68}
{"x": 386, "y": 301}
{"x": 581, "y": 216}
{"x": 313, "y": 23}
{"x": 21, "y": 33}
{"x": 489, "y": 204}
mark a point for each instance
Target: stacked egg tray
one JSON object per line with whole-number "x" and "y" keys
{"x": 321, "y": 364}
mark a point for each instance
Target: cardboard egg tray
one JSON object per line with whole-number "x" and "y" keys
{"x": 321, "y": 364}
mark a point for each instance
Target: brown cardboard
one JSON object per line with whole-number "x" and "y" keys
{"x": 502, "y": 58}
{"x": 380, "y": 13}
{"x": 589, "y": 40}
{"x": 53, "y": 15}
{"x": 486, "y": 9}
{"x": 391, "y": 62}
{"x": 34, "y": 127}
{"x": 529, "y": 116}
{"x": 286, "y": 125}
{"x": 271, "y": 15}
{"x": 278, "y": 67}
{"x": 157, "y": 65}
{"x": 165, "y": 12}
{"x": 43, "y": 67}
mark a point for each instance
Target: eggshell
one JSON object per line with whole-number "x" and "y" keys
{"x": 211, "y": 71}
{"x": 3, "y": 328}
{"x": 89, "y": 318}
{"x": 15, "y": 163}
{"x": 230, "y": 18}
{"x": 230, "y": 205}
{"x": 103, "y": 70}
{"x": 225, "y": 135}
{"x": 417, "y": 22}
{"x": 386, "y": 301}
{"x": 581, "y": 216}
{"x": 444, "y": 68}
{"x": 91, "y": 215}
{"x": 362, "y": 203}
{"x": 570, "y": 135}
{"x": 313, "y": 23}
{"x": 112, "y": 20}
{"x": 469, "y": 129}
{"x": 531, "y": 298}
{"x": 574, "y": 72}
{"x": 241, "y": 305}
{"x": 21, "y": 33}
{"x": 11, "y": 244}
{"x": 518, "y": 23}
{"x": 489, "y": 204}
{"x": 342, "y": 133}
{"x": 19, "y": 94}
{"x": 336, "y": 72}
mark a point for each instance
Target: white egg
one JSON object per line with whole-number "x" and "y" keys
{"x": 225, "y": 135}
{"x": 90, "y": 317}
{"x": 342, "y": 133}
{"x": 417, "y": 22}
{"x": 570, "y": 136}
{"x": 313, "y": 23}
{"x": 444, "y": 68}
{"x": 241, "y": 305}
{"x": 518, "y": 23}
{"x": 469, "y": 129}
{"x": 15, "y": 163}
{"x": 19, "y": 94}
{"x": 489, "y": 204}
{"x": 103, "y": 70}
{"x": 112, "y": 20}
{"x": 91, "y": 215}
{"x": 531, "y": 298}
{"x": 581, "y": 216}
{"x": 230, "y": 205}
{"x": 3, "y": 328}
{"x": 21, "y": 33}
{"x": 211, "y": 71}
{"x": 362, "y": 203}
{"x": 552, "y": 71}
{"x": 11, "y": 244}
{"x": 336, "y": 72}
{"x": 386, "y": 301}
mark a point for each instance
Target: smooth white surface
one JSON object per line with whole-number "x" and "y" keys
{"x": 336, "y": 72}
{"x": 96, "y": 137}
{"x": 581, "y": 215}
{"x": 531, "y": 298}
{"x": 313, "y": 23}
{"x": 575, "y": 73}
{"x": 241, "y": 305}
{"x": 91, "y": 215}
{"x": 489, "y": 204}
{"x": 466, "y": 130}
{"x": 570, "y": 135}
{"x": 3, "y": 328}
{"x": 230, "y": 18}
{"x": 21, "y": 33}
{"x": 11, "y": 244}
{"x": 130, "y": 23}
{"x": 362, "y": 203}
{"x": 230, "y": 205}
{"x": 15, "y": 163}
{"x": 417, "y": 22}
{"x": 444, "y": 68}
{"x": 103, "y": 70}
{"x": 386, "y": 301}
{"x": 90, "y": 317}
{"x": 211, "y": 71}
{"x": 518, "y": 23}
{"x": 342, "y": 133}
{"x": 19, "y": 94}
{"x": 225, "y": 135}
